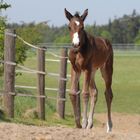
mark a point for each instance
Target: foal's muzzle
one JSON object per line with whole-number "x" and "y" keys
{"x": 76, "y": 48}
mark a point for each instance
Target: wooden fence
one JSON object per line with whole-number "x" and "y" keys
{"x": 9, "y": 92}
{"x": 9, "y": 77}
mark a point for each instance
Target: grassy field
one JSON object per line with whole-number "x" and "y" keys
{"x": 126, "y": 89}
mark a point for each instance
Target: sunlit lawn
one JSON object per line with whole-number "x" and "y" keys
{"x": 126, "y": 89}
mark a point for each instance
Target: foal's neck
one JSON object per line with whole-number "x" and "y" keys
{"x": 84, "y": 42}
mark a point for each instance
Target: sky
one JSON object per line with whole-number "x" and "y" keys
{"x": 100, "y": 11}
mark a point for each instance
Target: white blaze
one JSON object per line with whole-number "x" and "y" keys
{"x": 77, "y": 23}
{"x": 75, "y": 39}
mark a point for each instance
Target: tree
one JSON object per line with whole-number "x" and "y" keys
{"x": 63, "y": 39}
{"x": 32, "y": 33}
{"x": 4, "y": 5}
{"x": 106, "y": 34}
{"x": 2, "y": 28}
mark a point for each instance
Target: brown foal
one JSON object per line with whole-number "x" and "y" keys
{"x": 87, "y": 55}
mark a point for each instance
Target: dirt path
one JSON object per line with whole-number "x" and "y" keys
{"x": 126, "y": 127}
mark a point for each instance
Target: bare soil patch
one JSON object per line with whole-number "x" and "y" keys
{"x": 125, "y": 127}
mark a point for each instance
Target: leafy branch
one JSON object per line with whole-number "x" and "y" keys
{"x": 4, "y": 5}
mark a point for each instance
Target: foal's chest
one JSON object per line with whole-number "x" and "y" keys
{"x": 79, "y": 59}
{"x": 81, "y": 62}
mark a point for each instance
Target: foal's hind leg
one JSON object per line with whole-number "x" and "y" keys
{"x": 107, "y": 72}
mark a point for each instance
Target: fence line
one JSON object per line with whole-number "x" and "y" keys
{"x": 115, "y": 46}
{"x": 55, "y": 60}
{"x": 33, "y": 87}
{"x": 9, "y": 65}
{"x": 11, "y": 34}
{"x": 41, "y": 73}
{"x": 9, "y": 75}
{"x": 25, "y": 42}
{"x": 56, "y": 75}
{"x": 33, "y": 46}
{"x": 25, "y": 71}
{"x": 55, "y": 55}
{"x": 32, "y": 96}
{"x": 52, "y": 60}
{"x": 23, "y": 67}
{"x": 29, "y": 70}
{"x": 8, "y": 62}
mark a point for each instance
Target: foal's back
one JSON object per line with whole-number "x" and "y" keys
{"x": 101, "y": 51}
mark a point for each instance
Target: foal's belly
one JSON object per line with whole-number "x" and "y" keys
{"x": 100, "y": 60}
{"x": 98, "y": 64}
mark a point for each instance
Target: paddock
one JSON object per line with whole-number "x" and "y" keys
{"x": 126, "y": 127}
{"x": 126, "y": 93}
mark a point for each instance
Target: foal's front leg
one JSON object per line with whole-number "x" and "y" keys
{"x": 74, "y": 96}
{"x": 93, "y": 100}
{"x": 85, "y": 93}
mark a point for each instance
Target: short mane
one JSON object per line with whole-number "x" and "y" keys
{"x": 77, "y": 14}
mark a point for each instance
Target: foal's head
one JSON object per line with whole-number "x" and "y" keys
{"x": 76, "y": 27}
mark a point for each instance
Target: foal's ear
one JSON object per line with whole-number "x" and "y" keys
{"x": 68, "y": 14}
{"x": 84, "y": 14}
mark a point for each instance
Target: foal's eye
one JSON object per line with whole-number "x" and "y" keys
{"x": 69, "y": 28}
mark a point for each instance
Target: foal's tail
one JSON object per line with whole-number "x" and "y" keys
{"x": 109, "y": 62}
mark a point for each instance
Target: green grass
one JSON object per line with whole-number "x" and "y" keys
{"x": 126, "y": 81}
{"x": 126, "y": 89}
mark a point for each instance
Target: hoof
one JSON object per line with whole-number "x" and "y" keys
{"x": 90, "y": 125}
{"x": 78, "y": 126}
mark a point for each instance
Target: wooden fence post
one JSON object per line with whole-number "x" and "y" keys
{"x": 41, "y": 84}
{"x": 9, "y": 72}
{"x": 62, "y": 84}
